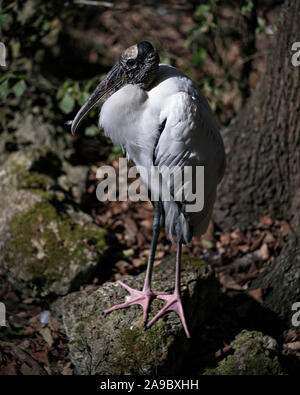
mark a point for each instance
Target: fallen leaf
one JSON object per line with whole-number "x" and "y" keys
{"x": 122, "y": 266}
{"x": 292, "y": 346}
{"x": 265, "y": 221}
{"x": 209, "y": 234}
{"x": 207, "y": 243}
{"x": 264, "y": 251}
{"x": 269, "y": 238}
{"x": 27, "y": 370}
{"x": 46, "y": 334}
{"x": 229, "y": 282}
{"x": 256, "y": 294}
{"x": 225, "y": 239}
{"x": 285, "y": 228}
{"x": 9, "y": 370}
{"x": 67, "y": 370}
{"x": 41, "y": 356}
{"x": 29, "y": 331}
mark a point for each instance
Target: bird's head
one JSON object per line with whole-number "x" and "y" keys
{"x": 137, "y": 65}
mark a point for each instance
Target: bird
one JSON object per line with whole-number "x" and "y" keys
{"x": 160, "y": 118}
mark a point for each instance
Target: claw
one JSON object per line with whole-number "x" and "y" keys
{"x": 144, "y": 298}
{"x": 136, "y": 297}
{"x": 173, "y": 304}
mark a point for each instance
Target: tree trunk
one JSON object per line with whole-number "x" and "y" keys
{"x": 282, "y": 281}
{"x": 263, "y": 142}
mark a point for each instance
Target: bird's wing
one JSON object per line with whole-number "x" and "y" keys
{"x": 190, "y": 138}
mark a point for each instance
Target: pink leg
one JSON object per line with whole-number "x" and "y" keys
{"x": 145, "y": 296}
{"x": 142, "y": 298}
{"x": 173, "y": 301}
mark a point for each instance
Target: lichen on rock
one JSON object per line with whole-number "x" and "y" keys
{"x": 52, "y": 248}
{"x": 117, "y": 343}
{"x": 47, "y": 245}
{"x": 254, "y": 354}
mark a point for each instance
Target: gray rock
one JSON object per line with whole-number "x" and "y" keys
{"x": 73, "y": 180}
{"x": 254, "y": 354}
{"x": 29, "y": 130}
{"x": 32, "y": 131}
{"x": 282, "y": 280}
{"x": 47, "y": 245}
{"x": 116, "y": 343}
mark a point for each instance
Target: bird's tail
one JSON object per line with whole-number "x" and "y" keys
{"x": 175, "y": 222}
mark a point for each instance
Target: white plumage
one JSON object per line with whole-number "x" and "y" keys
{"x": 159, "y": 116}
{"x": 190, "y": 136}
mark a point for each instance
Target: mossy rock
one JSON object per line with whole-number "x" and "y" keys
{"x": 254, "y": 354}
{"x": 47, "y": 245}
{"x": 117, "y": 343}
{"x": 31, "y": 130}
{"x": 53, "y": 253}
{"x": 40, "y": 168}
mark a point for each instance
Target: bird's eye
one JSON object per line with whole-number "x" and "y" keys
{"x": 130, "y": 62}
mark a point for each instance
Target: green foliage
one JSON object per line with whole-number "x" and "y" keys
{"x": 92, "y": 131}
{"x": 14, "y": 332}
{"x": 115, "y": 152}
{"x": 4, "y": 90}
{"x": 72, "y": 93}
{"x": 263, "y": 28}
{"x": 33, "y": 32}
{"x": 67, "y": 103}
{"x": 4, "y": 19}
{"x": 19, "y": 88}
{"x": 198, "y": 57}
{"x": 210, "y": 42}
{"x": 247, "y": 7}
{"x": 30, "y": 31}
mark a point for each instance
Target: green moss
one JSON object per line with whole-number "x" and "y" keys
{"x": 140, "y": 349}
{"x": 49, "y": 243}
{"x": 196, "y": 262}
{"x": 34, "y": 181}
{"x": 79, "y": 344}
{"x": 250, "y": 357}
{"x": 37, "y": 183}
{"x": 12, "y": 167}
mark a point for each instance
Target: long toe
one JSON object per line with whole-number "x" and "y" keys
{"x": 136, "y": 297}
{"x": 173, "y": 304}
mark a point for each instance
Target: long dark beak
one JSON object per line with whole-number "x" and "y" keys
{"x": 114, "y": 80}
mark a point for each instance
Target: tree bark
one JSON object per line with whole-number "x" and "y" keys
{"x": 282, "y": 280}
{"x": 263, "y": 142}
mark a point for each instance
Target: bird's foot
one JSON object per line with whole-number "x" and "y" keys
{"x": 173, "y": 304}
{"x": 142, "y": 298}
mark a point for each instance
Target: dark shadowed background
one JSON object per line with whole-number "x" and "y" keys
{"x": 56, "y": 237}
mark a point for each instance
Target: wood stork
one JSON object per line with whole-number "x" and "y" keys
{"x": 159, "y": 116}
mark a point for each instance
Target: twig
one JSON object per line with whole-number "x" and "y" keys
{"x": 220, "y": 353}
{"x": 212, "y": 357}
{"x": 23, "y": 356}
{"x": 96, "y": 3}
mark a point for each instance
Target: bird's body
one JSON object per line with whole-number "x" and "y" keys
{"x": 161, "y": 119}
{"x": 189, "y": 137}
